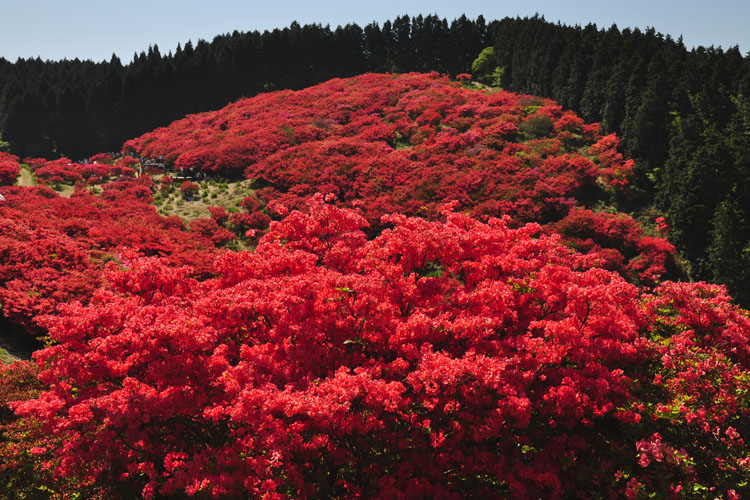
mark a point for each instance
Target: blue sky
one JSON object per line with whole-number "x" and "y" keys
{"x": 94, "y": 29}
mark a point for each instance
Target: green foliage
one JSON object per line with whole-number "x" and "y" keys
{"x": 484, "y": 65}
{"x": 729, "y": 251}
{"x": 5, "y": 356}
{"x": 497, "y": 77}
{"x": 537, "y": 125}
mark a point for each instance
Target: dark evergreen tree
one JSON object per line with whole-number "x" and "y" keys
{"x": 729, "y": 251}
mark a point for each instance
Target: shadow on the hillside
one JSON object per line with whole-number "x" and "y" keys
{"x": 16, "y": 341}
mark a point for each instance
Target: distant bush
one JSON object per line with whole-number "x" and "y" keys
{"x": 102, "y": 158}
{"x": 537, "y": 125}
{"x": 189, "y": 189}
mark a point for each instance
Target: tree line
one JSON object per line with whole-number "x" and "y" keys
{"x": 78, "y": 108}
{"x": 683, "y": 115}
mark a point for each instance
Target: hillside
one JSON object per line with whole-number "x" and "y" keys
{"x": 441, "y": 301}
{"x": 411, "y": 143}
{"x": 682, "y": 115}
{"x": 55, "y": 248}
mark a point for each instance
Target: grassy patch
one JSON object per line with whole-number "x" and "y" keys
{"x": 225, "y": 194}
{"x": 7, "y": 358}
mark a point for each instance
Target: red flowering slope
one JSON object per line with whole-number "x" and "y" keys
{"x": 451, "y": 355}
{"x": 445, "y": 359}
{"x": 100, "y": 169}
{"x": 409, "y": 143}
{"x": 53, "y": 249}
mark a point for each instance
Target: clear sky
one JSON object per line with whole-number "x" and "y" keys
{"x": 94, "y": 29}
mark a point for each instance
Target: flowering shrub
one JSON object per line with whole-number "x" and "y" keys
{"x": 20, "y": 470}
{"x": 53, "y": 249}
{"x": 508, "y": 344}
{"x": 95, "y": 170}
{"x": 189, "y": 189}
{"x": 615, "y": 238}
{"x": 102, "y": 158}
{"x": 209, "y": 228}
{"x": 63, "y": 170}
{"x": 441, "y": 359}
{"x": 242, "y": 221}
{"x": 59, "y": 171}
{"x": 662, "y": 226}
{"x": 9, "y": 169}
{"x": 166, "y": 183}
{"x": 34, "y": 163}
{"x": 126, "y": 161}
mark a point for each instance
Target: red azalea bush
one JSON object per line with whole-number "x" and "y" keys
{"x": 189, "y": 189}
{"x": 35, "y": 163}
{"x": 210, "y": 228}
{"x": 102, "y": 158}
{"x": 95, "y": 170}
{"x": 662, "y": 226}
{"x": 219, "y": 214}
{"x": 59, "y": 171}
{"x": 128, "y": 188}
{"x": 126, "y": 161}
{"x": 443, "y": 359}
{"x": 53, "y": 249}
{"x": 9, "y": 169}
{"x": 21, "y": 472}
{"x": 408, "y": 144}
{"x": 242, "y": 221}
{"x": 63, "y": 170}
{"x": 127, "y": 171}
{"x": 17, "y": 382}
{"x": 615, "y": 239}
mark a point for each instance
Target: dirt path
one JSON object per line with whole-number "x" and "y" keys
{"x": 26, "y": 179}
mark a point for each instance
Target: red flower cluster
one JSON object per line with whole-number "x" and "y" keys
{"x": 102, "y": 158}
{"x": 59, "y": 171}
{"x": 126, "y": 162}
{"x": 188, "y": 188}
{"x": 409, "y": 144}
{"x": 53, "y": 249}
{"x": 34, "y": 163}
{"x": 212, "y": 230}
{"x": 101, "y": 169}
{"x": 663, "y": 226}
{"x": 9, "y": 169}
{"x": 618, "y": 242}
{"x": 443, "y": 359}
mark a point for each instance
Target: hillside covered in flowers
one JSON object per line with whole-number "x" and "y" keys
{"x": 409, "y": 144}
{"x": 438, "y": 299}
